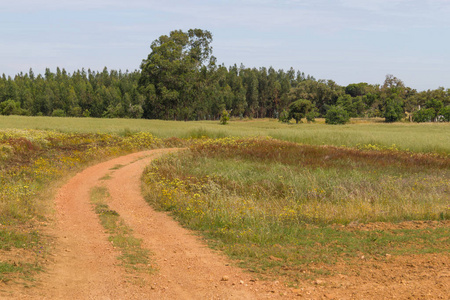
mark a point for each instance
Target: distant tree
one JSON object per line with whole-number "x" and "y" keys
{"x": 284, "y": 117}
{"x": 445, "y": 112}
{"x": 299, "y": 109}
{"x": 225, "y": 117}
{"x": 436, "y": 105}
{"x": 136, "y": 111}
{"x": 10, "y": 107}
{"x": 346, "y": 101}
{"x": 170, "y": 74}
{"x": 311, "y": 115}
{"x": 356, "y": 89}
{"x": 393, "y": 111}
{"x": 337, "y": 115}
{"x": 321, "y": 93}
{"x": 423, "y": 115}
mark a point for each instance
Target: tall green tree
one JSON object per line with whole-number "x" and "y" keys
{"x": 170, "y": 74}
{"x": 437, "y": 106}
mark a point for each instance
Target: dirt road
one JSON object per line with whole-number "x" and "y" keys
{"x": 85, "y": 264}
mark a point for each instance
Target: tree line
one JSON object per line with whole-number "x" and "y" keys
{"x": 181, "y": 80}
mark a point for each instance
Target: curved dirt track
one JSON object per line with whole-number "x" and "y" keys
{"x": 85, "y": 264}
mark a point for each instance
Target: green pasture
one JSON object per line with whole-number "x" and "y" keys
{"x": 431, "y": 137}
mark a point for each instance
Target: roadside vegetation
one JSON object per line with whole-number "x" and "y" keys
{"x": 32, "y": 164}
{"x": 284, "y": 208}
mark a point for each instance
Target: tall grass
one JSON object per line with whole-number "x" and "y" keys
{"x": 249, "y": 195}
{"x": 415, "y": 137}
{"x": 314, "y": 184}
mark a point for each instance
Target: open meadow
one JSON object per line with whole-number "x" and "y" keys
{"x": 309, "y": 205}
{"x": 363, "y": 133}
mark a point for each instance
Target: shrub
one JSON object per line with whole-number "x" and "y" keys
{"x": 423, "y": 115}
{"x": 225, "y": 117}
{"x": 58, "y": 113}
{"x": 394, "y": 111}
{"x": 445, "y": 113}
{"x": 311, "y": 116}
{"x": 10, "y": 107}
{"x": 284, "y": 117}
{"x": 337, "y": 115}
{"x": 299, "y": 108}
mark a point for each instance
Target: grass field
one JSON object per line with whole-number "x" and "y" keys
{"x": 363, "y": 133}
{"x": 273, "y": 204}
{"x": 278, "y": 205}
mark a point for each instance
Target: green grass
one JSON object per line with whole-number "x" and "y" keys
{"x": 275, "y": 205}
{"x": 106, "y": 177}
{"x": 22, "y": 270}
{"x": 25, "y": 271}
{"x": 287, "y": 255}
{"x": 415, "y": 137}
{"x": 117, "y": 167}
{"x": 133, "y": 256}
{"x": 10, "y": 239}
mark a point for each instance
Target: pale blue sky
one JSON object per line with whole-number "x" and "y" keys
{"x": 347, "y": 41}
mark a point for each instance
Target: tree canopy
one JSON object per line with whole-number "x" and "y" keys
{"x": 171, "y": 76}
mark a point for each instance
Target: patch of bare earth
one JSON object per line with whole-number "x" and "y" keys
{"x": 396, "y": 277}
{"x": 85, "y": 265}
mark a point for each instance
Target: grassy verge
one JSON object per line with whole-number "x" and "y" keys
{"x": 133, "y": 256}
{"x": 280, "y": 207}
{"x": 31, "y": 161}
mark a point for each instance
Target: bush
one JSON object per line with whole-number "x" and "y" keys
{"x": 284, "y": 117}
{"x": 445, "y": 113}
{"x": 394, "y": 111}
{"x": 299, "y": 108}
{"x": 58, "y": 113}
{"x": 311, "y": 116}
{"x": 423, "y": 115}
{"x": 10, "y": 107}
{"x": 225, "y": 117}
{"x": 337, "y": 115}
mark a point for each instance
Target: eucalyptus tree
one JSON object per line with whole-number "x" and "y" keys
{"x": 170, "y": 75}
